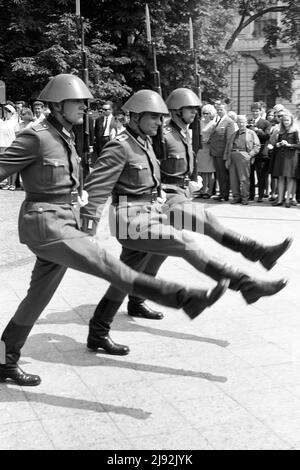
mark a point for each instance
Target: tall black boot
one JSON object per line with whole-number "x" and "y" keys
{"x": 99, "y": 328}
{"x": 254, "y": 251}
{"x": 251, "y": 289}
{"x": 137, "y": 307}
{"x": 192, "y": 301}
{"x": 14, "y": 337}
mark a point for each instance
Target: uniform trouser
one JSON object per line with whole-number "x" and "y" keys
{"x": 53, "y": 258}
{"x": 239, "y": 172}
{"x": 222, "y": 176}
{"x": 158, "y": 240}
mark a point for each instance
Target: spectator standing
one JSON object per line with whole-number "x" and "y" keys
{"x": 297, "y": 124}
{"x": 241, "y": 149}
{"x": 261, "y": 162}
{"x": 219, "y": 138}
{"x": 286, "y": 158}
{"x": 8, "y": 128}
{"x": 38, "y": 111}
{"x": 104, "y": 128}
{"x": 205, "y": 162}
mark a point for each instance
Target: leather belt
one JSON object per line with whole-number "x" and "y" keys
{"x": 145, "y": 197}
{"x": 182, "y": 181}
{"x": 68, "y": 198}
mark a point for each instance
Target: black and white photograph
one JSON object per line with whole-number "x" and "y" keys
{"x": 150, "y": 228}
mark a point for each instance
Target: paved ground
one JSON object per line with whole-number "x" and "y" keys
{"x": 228, "y": 380}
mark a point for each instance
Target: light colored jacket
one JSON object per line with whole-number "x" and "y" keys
{"x": 252, "y": 144}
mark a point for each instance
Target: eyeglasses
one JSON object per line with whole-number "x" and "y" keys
{"x": 105, "y": 109}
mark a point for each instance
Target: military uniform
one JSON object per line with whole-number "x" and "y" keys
{"x": 49, "y": 219}
{"x": 129, "y": 170}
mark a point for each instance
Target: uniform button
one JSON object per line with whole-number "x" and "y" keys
{"x": 40, "y": 209}
{"x": 55, "y": 163}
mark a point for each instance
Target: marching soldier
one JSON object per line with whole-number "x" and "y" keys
{"x": 45, "y": 156}
{"x": 127, "y": 168}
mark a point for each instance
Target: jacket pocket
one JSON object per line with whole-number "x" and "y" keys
{"x": 38, "y": 223}
{"x": 53, "y": 169}
{"x": 175, "y": 163}
{"x": 139, "y": 173}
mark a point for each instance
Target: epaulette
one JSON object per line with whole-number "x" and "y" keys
{"x": 121, "y": 137}
{"x": 41, "y": 126}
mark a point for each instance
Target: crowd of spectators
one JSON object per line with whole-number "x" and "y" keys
{"x": 242, "y": 158}
{"x": 14, "y": 118}
{"x": 253, "y": 158}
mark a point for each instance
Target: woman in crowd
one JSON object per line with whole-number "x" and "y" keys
{"x": 286, "y": 145}
{"x": 8, "y": 128}
{"x": 205, "y": 161}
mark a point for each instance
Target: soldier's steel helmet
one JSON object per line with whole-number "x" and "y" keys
{"x": 65, "y": 87}
{"x": 182, "y": 97}
{"x": 146, "y": 101}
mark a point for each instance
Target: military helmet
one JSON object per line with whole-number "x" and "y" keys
{"x": 146, "y": 101}
{"x": 182, "y": 97}
{"x": 65, "y": 86}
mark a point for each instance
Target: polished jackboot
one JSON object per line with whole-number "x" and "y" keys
{"x": 14, "y": 337}
{"x": 192, "y": 301}
{"x": 99, "y": 327}
{"x": 137, "y": 307}
{"x": 251, "y": 289}
{"x": 254, "y": 251}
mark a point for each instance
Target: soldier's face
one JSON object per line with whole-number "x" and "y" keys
{"x": 74, "y": 111}
{"x": 149, "y": 123}
{"x": 188, "y": 114}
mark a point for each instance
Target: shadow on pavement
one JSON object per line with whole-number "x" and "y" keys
{"x": 17, "y": 395}
{"x": 123, "y": 322}
{"x": 40, "y": 347}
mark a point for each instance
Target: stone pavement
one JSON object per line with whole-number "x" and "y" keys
{"x": 228, "y": 380}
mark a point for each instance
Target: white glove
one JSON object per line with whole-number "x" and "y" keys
{"x": 162, "y": 198}
{"x": 195, "y": 186}
{"x": 83, "y": 199}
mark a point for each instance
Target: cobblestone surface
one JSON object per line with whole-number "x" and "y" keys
{"x": 228, "y": 380}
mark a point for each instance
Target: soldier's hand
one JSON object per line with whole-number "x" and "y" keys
{"x": 194, "y": 187}
{"x": 227, "y": 164}
{"x": 162, "y": 198}
{"x": 83, "y": 199}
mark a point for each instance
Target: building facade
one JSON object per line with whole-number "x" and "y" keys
{"x": 243, "y": 89}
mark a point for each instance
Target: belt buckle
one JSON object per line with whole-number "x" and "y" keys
{"x": 74, "y": 197}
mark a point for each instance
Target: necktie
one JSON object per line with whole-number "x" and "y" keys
{"x": 104, "y": 125}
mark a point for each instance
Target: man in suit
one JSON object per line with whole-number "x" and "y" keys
{"x": 261, "y": 162}
{"x": 219, "y": 138}
{"x": 104, "y": 128}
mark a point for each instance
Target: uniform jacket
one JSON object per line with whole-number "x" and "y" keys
{"x": 179, "y": 156}
{"x": 220, "y": 136}
{"x": 45, "y": 156}
{"x": 252, "y": 144}
{"x": 127, "y": 166}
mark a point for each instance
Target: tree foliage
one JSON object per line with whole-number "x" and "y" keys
{"x": 41, "y": 39}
